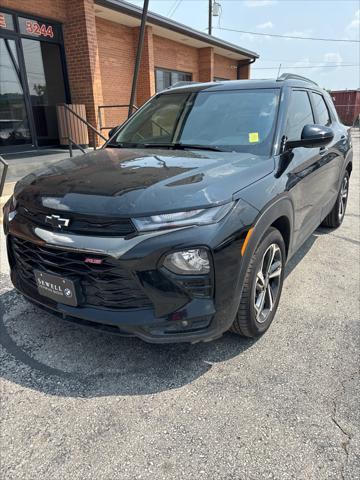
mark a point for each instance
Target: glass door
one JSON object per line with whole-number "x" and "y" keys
{"x": 44, "y": 73}
{"x": 14, "y": 121}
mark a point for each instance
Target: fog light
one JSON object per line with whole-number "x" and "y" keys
{"x": 188, "y": 262}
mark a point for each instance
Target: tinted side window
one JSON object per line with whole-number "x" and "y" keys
{"x": 321, "y": 109}
{"x": 299, "y": 114}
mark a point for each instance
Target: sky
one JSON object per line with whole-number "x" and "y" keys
{"x": 333, "y": 65}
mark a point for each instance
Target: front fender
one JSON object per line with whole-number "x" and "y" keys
{"x": 281, "y": 207}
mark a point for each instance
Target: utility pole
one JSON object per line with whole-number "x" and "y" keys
{"x": 138, "y": 56}
{"x": 210, "y": 17}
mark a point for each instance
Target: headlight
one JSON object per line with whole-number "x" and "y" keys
{"x": 204, "y": 216}
{"x": 188, "y": 262}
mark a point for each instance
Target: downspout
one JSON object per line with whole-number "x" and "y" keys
{"x": 239, "y": 65}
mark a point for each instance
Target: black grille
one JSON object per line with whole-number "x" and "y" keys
{"x": 106, "y": 285}
{"x": 80, "y": 223}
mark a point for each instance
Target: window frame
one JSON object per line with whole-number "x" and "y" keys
{"x": 169, "y": 70}
{"x": 317, "y": 118}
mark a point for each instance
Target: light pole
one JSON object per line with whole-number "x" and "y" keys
{"x": 138, "y": 56}
{"x": 210, "y": 17}
{"x": 214, "y": 11}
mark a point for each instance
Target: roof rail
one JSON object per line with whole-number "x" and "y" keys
{"x": 182, "y": 83}
{"x": 293, "y": 76}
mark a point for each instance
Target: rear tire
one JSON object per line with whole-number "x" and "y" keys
{"x": 262, "y": 286}
{"x": 337, "y": 214}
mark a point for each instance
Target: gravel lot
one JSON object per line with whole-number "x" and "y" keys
{"x": 77, "y": 404}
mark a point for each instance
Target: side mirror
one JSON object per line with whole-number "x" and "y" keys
{"x": 312, "y": 136}
{"x": 112, "y": 131}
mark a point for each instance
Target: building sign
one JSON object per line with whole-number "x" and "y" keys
{"x": 38, "y": 28}
{"x": 6, "y": 21}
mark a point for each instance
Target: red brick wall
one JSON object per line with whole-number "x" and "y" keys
{"x": 54, "y": 9}
{"x": 206, "y": 64}
{"x": 82, "y": 57}
{"x": 146, "y": 79}
{"x": 176, "y": 56}
{"x": 117, "y": 57}
{"x": 244, "y": 70}
{"x": 225, "y": 67}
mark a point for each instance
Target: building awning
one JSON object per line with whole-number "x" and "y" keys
{"x": 127, "y": 14}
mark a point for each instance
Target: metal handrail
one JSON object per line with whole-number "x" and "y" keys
{"x": 100, "y": 107}
{"x": 3, "y": 176}
{"x": 70, "y": 140}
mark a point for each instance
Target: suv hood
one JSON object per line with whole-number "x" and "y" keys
{"x": 133, "y": 182}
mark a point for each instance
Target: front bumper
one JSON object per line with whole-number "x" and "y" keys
{"x": 177, "y": 315}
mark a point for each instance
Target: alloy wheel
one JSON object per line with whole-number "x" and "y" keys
{"x": 267, "y": 282}
{"x": 343, "y": 197}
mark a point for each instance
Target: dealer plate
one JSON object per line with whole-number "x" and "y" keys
{"x": 59, "y": 289}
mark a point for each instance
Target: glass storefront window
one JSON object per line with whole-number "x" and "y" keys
{"x": 46, "y": 86}
{"x": 14, "y": 126}
{"x": 6, "y": 21}
{"x": 32, "y": 81}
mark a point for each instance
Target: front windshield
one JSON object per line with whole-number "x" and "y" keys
{"x": 236, "y": 120}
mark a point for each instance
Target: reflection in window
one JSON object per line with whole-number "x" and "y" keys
{"x": 321, "y": 109}
{"x": 240, "y": 120}
{"x": 46, "y": 86}
{"x": 299, "y": 114}
{"x": 14, "y": 127}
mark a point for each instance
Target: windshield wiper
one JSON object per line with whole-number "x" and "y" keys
{"x": 183, "y": 146}
{"x": 213, "y": 148}
{"x": 123, "y": 145}
{"x": 174, "y": 146}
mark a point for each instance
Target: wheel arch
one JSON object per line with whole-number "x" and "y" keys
{"x": 349, "y": 168}
{"x": 279, "y": 214}
{"x": 283, "y": 225}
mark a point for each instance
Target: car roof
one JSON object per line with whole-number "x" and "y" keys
{"x": 284, "y": 80}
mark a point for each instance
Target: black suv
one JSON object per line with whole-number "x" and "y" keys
{"x": 179, "y": 228}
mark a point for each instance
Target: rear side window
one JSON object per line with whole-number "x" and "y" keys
{"x": 299, "y": 114}
{"x": 321, "y": 110}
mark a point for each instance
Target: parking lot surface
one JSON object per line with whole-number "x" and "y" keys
{"x": 78, "y": 404}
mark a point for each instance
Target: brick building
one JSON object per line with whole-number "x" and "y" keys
{"x": 83, "y": 52}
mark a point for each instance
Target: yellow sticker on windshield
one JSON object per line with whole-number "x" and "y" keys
{"x": 253, "y": 137}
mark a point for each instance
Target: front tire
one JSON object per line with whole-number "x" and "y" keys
{"x": 262, "y": 286}
{"x": 337, "y": 214}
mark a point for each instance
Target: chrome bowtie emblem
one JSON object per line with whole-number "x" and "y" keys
{"x": 57, "y": 222}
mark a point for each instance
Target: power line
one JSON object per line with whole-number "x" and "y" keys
{"x": 305, "y": 61}
{"x": 174, "y": 8}
{"x": 306, "y": 66}
{"x": 289, "y": 36}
